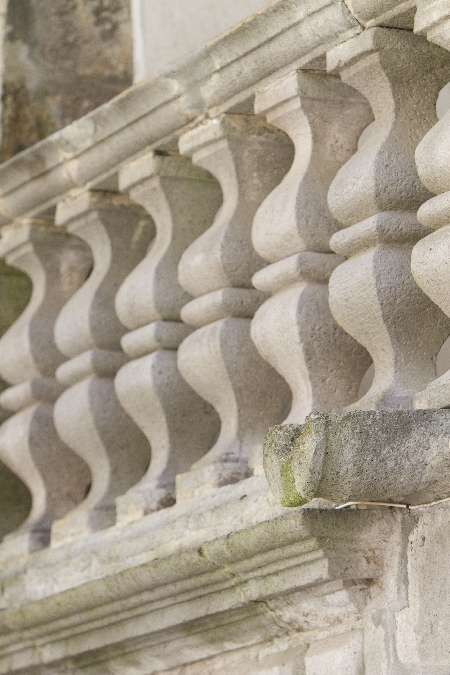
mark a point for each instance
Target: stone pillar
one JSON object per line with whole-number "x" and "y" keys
{"x": 88, "y": 415}
{"x": 219, "y": 360}
{"x": 57, "y": 264}
{"x": 430, "y": 256}
{"x": 294, "y": 330}
{"x": 180, "y": 426}
{"x": 373, "y": 295}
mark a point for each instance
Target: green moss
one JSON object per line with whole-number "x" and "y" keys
{"x": 278, "y": 446}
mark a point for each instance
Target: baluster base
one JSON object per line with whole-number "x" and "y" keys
{"x": 138, "y": 503}
{"x": 198, "y": 481}
{"x": 436, "y": 395}
{"x": 80, "y": 523}
{"x": 23, "y": 542}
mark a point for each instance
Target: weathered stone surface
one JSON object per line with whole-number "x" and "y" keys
{"x": 422, "y": 626}
{"x": 252, "y": 577}
{"x": 340, "y": 655}
{"x": 62, "y": 59}
{"x": 399, "y": 456}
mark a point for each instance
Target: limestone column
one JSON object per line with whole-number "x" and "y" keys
{"x": 294, "y": 330}
{"x": 430, "y": 256}
{"x": 180, "y": 426}
{"x": 219, "y": 359}
{"x": 375, "y": 196}
{"x": 57, "y": 264}
{"x": 88, "y": 415}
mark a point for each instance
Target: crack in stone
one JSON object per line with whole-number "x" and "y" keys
{"x": 344, "y": 2}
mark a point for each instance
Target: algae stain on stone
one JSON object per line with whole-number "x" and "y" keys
{"x": 278, "y": 447}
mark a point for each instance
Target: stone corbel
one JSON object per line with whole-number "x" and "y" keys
{"x": 399, "y": 456}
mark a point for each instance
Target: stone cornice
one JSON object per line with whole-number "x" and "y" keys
{"x": 118, "y": 595}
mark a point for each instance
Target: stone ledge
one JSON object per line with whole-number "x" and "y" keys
{"x": 124, "y": 595}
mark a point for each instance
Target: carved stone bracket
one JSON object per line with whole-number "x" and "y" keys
{"x": 398, "y": 456}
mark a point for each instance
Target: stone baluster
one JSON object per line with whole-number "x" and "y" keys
{"x": 57, "y": 264}
{"x": 373, "y": 295}
{"x": 88, "y": 415}
{"x": 294, "y": 330}
{"x": 219, "y": 360}
{"x": 15, "y": 498}
{"x": 429, "y": 261}
{"x": 183, "y": 200}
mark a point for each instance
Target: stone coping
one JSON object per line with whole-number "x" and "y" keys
{"x": 207, "y": 567}
{"x": 221, "y": 76}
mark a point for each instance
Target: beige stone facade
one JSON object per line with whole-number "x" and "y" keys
{"x": 252, "y": 238}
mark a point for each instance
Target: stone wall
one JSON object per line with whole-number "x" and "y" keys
{"x": 62, "y": 58}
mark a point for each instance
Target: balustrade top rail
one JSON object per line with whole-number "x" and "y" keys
{"x": 220, "y": 77}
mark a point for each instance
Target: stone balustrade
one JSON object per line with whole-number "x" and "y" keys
{"x": 219, "y": 359}
{"x": 430, "y": 259}
{"x": 232, "y": 244}
{"x": 57, "y": 264}
{"x": 248, "y": 270}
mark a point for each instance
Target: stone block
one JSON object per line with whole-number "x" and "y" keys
{"x": 340, "y": 655}
{"x": 398, "y": 456}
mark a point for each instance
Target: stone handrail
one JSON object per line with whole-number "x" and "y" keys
{"x": 221, "y": 76}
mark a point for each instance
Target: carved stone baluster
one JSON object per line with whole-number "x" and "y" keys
{"x": 294, "y": 330}
{"x": 57, "y": 479}
{"x": 182, "y": 199}
{"x": 219, "y": 360}
{"x": 88, "y": 415}
{"x": 373, "y": 295}
{"x": 430, "y": 256}
{"x": 15, "y": 498}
